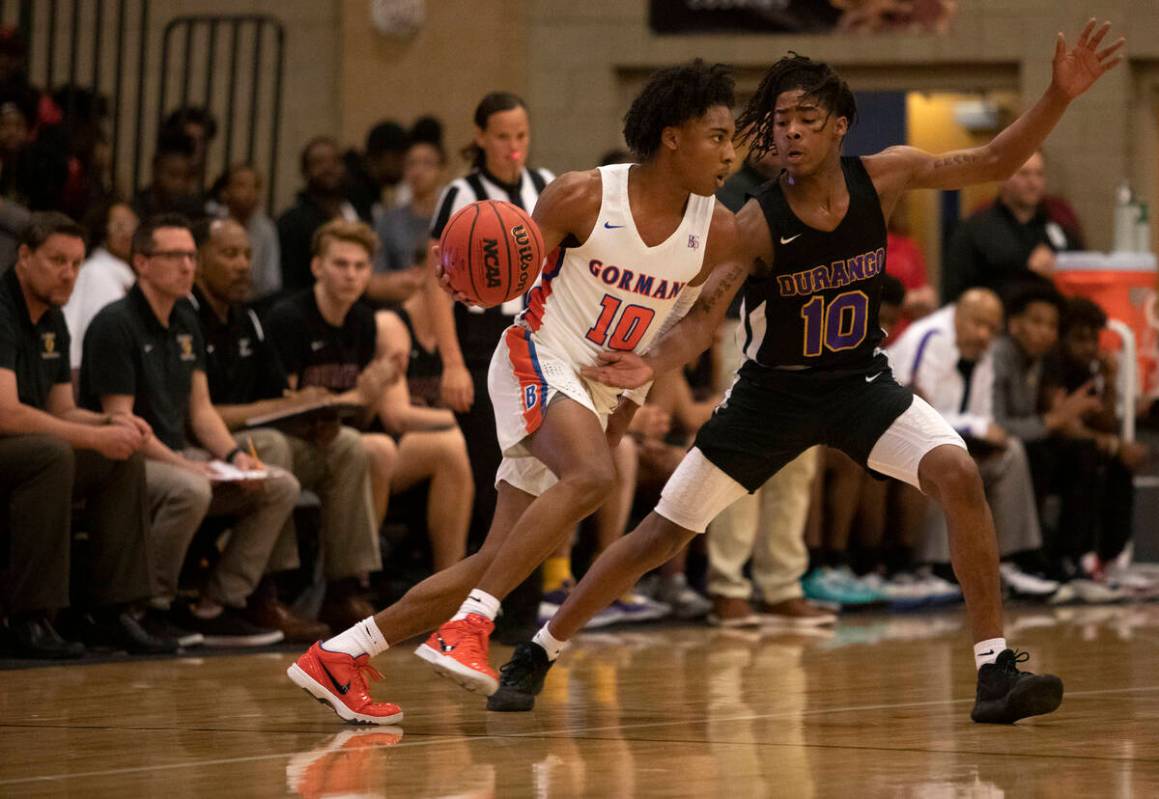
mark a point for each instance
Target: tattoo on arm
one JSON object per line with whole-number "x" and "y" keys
{"x": 723, "y": 290}
{"x": 957, "y": 159}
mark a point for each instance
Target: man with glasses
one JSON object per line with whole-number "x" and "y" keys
{"x": 145, "y": 354}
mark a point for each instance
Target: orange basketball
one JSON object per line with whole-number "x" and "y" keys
{"x": 492, "y": 251}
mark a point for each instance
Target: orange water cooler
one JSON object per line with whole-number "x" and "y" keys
{"x": 1124, "y": 284}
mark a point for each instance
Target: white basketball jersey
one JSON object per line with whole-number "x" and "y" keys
{"x": 614, "y": 292}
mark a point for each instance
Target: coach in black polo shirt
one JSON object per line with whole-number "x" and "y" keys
{"x": 145, "y": 353}
{"x": 246, "y": 380}
{"x": 52, "y": 453}
{"x": 1009, "y": 244}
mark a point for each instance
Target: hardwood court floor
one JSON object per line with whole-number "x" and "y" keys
{"x": 879, "y": 708}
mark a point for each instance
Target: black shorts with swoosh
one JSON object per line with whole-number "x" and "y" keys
{"x": 770, "y": 416}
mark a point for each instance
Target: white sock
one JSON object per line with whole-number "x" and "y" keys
{"x": 987, "y": 651}
{"x": 478, "y": 601}
{"x": 363, "y": 638}
{"x": 550, "y": 644}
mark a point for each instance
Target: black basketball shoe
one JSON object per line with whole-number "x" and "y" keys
{"x": 1006, "y": 694}
{"x": 520, "y": 679}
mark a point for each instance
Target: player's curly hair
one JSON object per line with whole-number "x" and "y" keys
{"x": 672, "y": 97}
{"x": 819, "y": 82}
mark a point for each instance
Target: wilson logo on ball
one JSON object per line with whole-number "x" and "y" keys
{"x": 526, "y": 253}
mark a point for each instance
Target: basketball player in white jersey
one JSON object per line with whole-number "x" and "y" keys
{"x": 633, "y": 243}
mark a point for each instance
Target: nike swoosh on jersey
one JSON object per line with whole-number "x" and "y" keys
{"x": 610, "y": 226}
{"x": 869, "y": 379}
{"x": 790, "y": 238}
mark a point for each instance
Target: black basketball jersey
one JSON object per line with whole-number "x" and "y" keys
{"x": 818, "y": 308}
{"x": 424, "y": 369}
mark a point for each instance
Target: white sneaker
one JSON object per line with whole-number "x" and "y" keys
{"x": 637, "y": 608}
{"x": 902, "y": 590}
{"x": 938, "y": 591}
{"x": 1133, "y": 582}
{"x": 1094, "y": 593}
{"x": 1024, "y": 584}
{"x": 685, "y": 602}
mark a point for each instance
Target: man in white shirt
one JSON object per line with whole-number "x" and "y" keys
{"x": 946, "y": 358}
{"x": 104, "y": 277}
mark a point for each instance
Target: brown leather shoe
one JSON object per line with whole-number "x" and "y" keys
{"x": 341, "y": 612}
{"x": 732, "y": 612}
{"x": 268, "y": 612}
{"x": 796, "y": 612}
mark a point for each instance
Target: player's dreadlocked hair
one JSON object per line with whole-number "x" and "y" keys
{"x": 819, "y": 82}
{"x": 672, "y": 97}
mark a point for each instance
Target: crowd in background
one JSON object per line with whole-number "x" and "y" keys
{"x": 158, "y": 348}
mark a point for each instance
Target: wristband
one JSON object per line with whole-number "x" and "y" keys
{"x": 233, "y": 453}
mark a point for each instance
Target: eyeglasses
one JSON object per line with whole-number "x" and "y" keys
{"x": 174, "y": 255}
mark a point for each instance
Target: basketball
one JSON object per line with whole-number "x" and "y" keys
{"x": 491, "y": 251}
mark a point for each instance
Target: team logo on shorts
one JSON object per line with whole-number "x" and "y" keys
{"x": 530, "y": 396}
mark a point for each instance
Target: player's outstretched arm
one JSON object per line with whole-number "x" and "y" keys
{"x": 1074, "y": 70}
{"x": 728, "y": 261}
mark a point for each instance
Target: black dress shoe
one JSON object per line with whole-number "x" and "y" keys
{"x": 139, "y": 641}
{"x": 37, "y": 639}
{"x": 120, "y": 630}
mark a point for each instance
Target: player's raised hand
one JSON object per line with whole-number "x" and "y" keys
{"x": 619, "y": 370}
{"x": 1076, "y": 69}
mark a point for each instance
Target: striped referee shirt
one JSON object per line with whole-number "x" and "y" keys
{"x": 482, "y": 185}
{"x": 478, "y": 336}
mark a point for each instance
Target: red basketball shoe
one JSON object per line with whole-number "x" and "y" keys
{"x": 458, "y": 650}
{"x": 342, "y": 682}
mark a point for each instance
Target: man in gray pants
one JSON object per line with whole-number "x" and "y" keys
{"x": 145, "y": 353}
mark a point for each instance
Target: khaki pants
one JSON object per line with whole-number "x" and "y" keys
{"x": 769, "y": 527}
{"x": 339, "y": 473}
{"x": 180, "y": 500}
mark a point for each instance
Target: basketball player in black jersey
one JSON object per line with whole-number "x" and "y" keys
{"x": 814, "y": 374}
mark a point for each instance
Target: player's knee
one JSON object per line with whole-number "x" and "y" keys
{"x": 954, "y": 476}
{"x": 592, "y": 484}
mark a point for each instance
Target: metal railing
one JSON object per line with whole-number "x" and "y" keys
{"x": 205, "y": 48}
{"x": 232, "y": 65}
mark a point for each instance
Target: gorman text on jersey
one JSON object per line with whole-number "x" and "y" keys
{"x": 647, "y": 285}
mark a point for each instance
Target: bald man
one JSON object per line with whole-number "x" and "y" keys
{"x": 945, "y": 357}
{"x": 1011, "y": 242}
{"x": 246, "y": 380}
